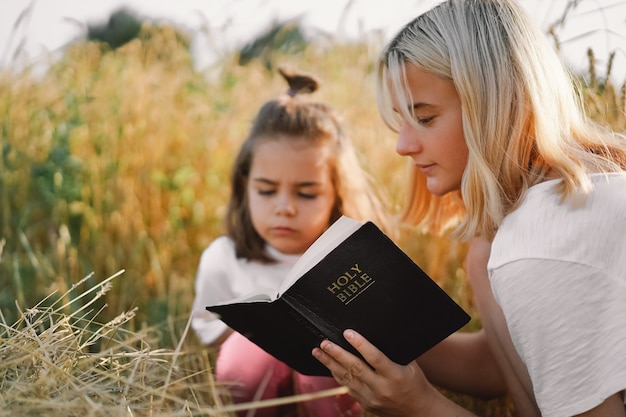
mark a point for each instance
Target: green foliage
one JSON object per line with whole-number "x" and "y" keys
{"x": 122, "y": 27}
{"x": 78, "y": 150}
{"x": 279, "y": 38}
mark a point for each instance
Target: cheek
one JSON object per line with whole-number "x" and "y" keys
{"x": 463, "y": 154}
{"x": 460, "y": 153}
{"x": 331, "y": 201}
{"x": 318, "y": 220}
{"x": 320, "y": 212}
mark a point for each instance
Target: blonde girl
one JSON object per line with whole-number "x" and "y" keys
{"x": 295, "y": 174}
{"x": 489, "y": 116}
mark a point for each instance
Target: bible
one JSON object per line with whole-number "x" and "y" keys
{"x": 353, "y": 276}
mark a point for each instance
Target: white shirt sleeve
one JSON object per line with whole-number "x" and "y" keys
{"x": 213, "y": 284}
{"x": 558, "y": 270}
{"x": 568, "y": 323}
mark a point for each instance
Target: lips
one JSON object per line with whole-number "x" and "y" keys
{"x": 426, "y": 169}
{"x": 283, "y": 230}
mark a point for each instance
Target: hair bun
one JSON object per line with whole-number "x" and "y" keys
{"x": 299, "y": 82}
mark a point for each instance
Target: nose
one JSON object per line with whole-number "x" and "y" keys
{"x": 285, "y": 205}
{"x": 408, "y": 140}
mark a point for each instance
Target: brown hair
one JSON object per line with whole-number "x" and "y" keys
{"x": 293, "y": 119}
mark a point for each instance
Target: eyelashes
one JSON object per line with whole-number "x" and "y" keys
{"x": 302, "y": 195}
{"x": 425, "y": 120}
{"x": 422, "y": 120}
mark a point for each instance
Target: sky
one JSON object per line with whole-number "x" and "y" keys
{"x": 52, "y": 24}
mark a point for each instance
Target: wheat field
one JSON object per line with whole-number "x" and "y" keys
{"x": 114, "y": 178}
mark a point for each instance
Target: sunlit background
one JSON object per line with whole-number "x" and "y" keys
{"x": 118, "y": 129}
{"x": 218, "y": 25}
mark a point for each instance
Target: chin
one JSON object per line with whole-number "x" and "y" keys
{"x": 438, "y": 190}
{"x": 441, "y": 186}
{"x": 288, "y": 249}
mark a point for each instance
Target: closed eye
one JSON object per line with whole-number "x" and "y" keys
{"x": 425, "y": 120}
{"x": 266, "y": 192}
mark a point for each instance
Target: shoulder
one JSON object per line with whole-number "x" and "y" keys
{"x": 219, "y": 255}
{"x": 221, "y": 247}
{"x": 545, "y": 227}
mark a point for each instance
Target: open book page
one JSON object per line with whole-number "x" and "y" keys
{"x": 260, "y": 294}
{"x": 335, "y": 234}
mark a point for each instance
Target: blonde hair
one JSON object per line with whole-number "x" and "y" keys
{"x": 522, "y": 119}
{"x": 293, "y": 119}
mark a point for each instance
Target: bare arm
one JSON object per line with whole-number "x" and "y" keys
{"x": 464, "y": 363}
{"x": 513, "y": 372}
{"x": 611, "y": 407}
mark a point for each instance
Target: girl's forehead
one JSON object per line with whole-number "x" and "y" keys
{"x": 282, "y": 150}
{"x": 285, "y": 142}
{"x": 281, "y": 162}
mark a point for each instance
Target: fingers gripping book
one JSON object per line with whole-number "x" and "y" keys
{"x": 356, "y": 277}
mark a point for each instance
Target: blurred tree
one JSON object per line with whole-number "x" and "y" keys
{"x": 125, "y": 25}
{"x": 285, "y": 37}
{"x": 122, "y": 27}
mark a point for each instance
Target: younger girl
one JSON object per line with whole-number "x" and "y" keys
{"x": 295, "y": 174}
{"x": 483, "y": 106}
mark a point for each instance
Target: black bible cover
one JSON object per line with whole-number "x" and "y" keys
{"x": 366, "y": 283}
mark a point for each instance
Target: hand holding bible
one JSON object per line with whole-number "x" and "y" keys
{"x": 382, "y": 386}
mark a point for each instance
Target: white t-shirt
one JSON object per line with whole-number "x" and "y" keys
{"x": 221, "y": 277}
{"x": 559, "y": 275}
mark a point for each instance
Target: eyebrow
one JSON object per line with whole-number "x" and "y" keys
{"x": 417, "y": 106}
{"x": 420, "y": 105}
{"x": 267, "y": 181}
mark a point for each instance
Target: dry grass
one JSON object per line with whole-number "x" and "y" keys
{"x": 74, "y": 365}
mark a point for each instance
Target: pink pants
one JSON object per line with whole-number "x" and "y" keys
{"x": 252, "y": 375}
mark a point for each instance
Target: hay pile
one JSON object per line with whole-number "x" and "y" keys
{"x": 71, "y": 365}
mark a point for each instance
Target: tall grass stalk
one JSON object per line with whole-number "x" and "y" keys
{"x": 48, "y": 364}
